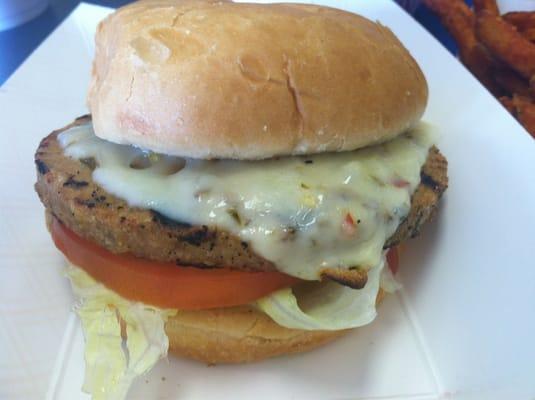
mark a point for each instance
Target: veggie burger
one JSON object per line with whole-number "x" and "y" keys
{"x": 240, "y": 184}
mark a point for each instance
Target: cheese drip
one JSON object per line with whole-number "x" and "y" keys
{"x": 303, "y": 213}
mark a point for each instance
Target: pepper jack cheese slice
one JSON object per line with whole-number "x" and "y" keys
{"x": 303, "y": 213}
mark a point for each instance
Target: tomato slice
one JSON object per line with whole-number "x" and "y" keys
{"x": 392, "y": 257}
{"x": 162, "y": 284}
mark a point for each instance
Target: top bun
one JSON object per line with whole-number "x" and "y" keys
{"x": 207, "y": 79}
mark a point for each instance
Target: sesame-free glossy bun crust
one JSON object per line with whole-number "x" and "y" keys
{"x": 219, "y": 79}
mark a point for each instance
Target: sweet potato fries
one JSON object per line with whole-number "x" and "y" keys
{"x": 498, "y": 49}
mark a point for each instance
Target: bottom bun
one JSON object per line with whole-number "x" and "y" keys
{"x": 238, "y": 335}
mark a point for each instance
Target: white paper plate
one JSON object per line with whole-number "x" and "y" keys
{"x": 463, "y": 327}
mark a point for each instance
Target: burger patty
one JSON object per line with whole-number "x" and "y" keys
{"x": 66, "y": 188}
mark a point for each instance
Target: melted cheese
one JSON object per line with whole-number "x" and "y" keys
{"x": 302, "y": 213}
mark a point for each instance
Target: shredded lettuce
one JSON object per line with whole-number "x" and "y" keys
{"x": 325, "y": 305}
{"x": 112, "y": 363}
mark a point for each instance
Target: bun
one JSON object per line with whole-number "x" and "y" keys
{"x": 238, "y": 335}
{"x": 209, "y": 79}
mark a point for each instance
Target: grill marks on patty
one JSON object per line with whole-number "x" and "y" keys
{"x": 433, "y": 183}
{"x": 66, "y": 188}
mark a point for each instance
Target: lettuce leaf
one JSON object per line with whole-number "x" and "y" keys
{"x": 324, "y": 305}
{"x": 112, "y": 363}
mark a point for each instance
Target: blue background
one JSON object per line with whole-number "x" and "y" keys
{"x": 18, "y": 43}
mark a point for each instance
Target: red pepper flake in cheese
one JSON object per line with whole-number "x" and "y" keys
{"x": 400, "y": 183}
{"x": 348, "y": 225}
